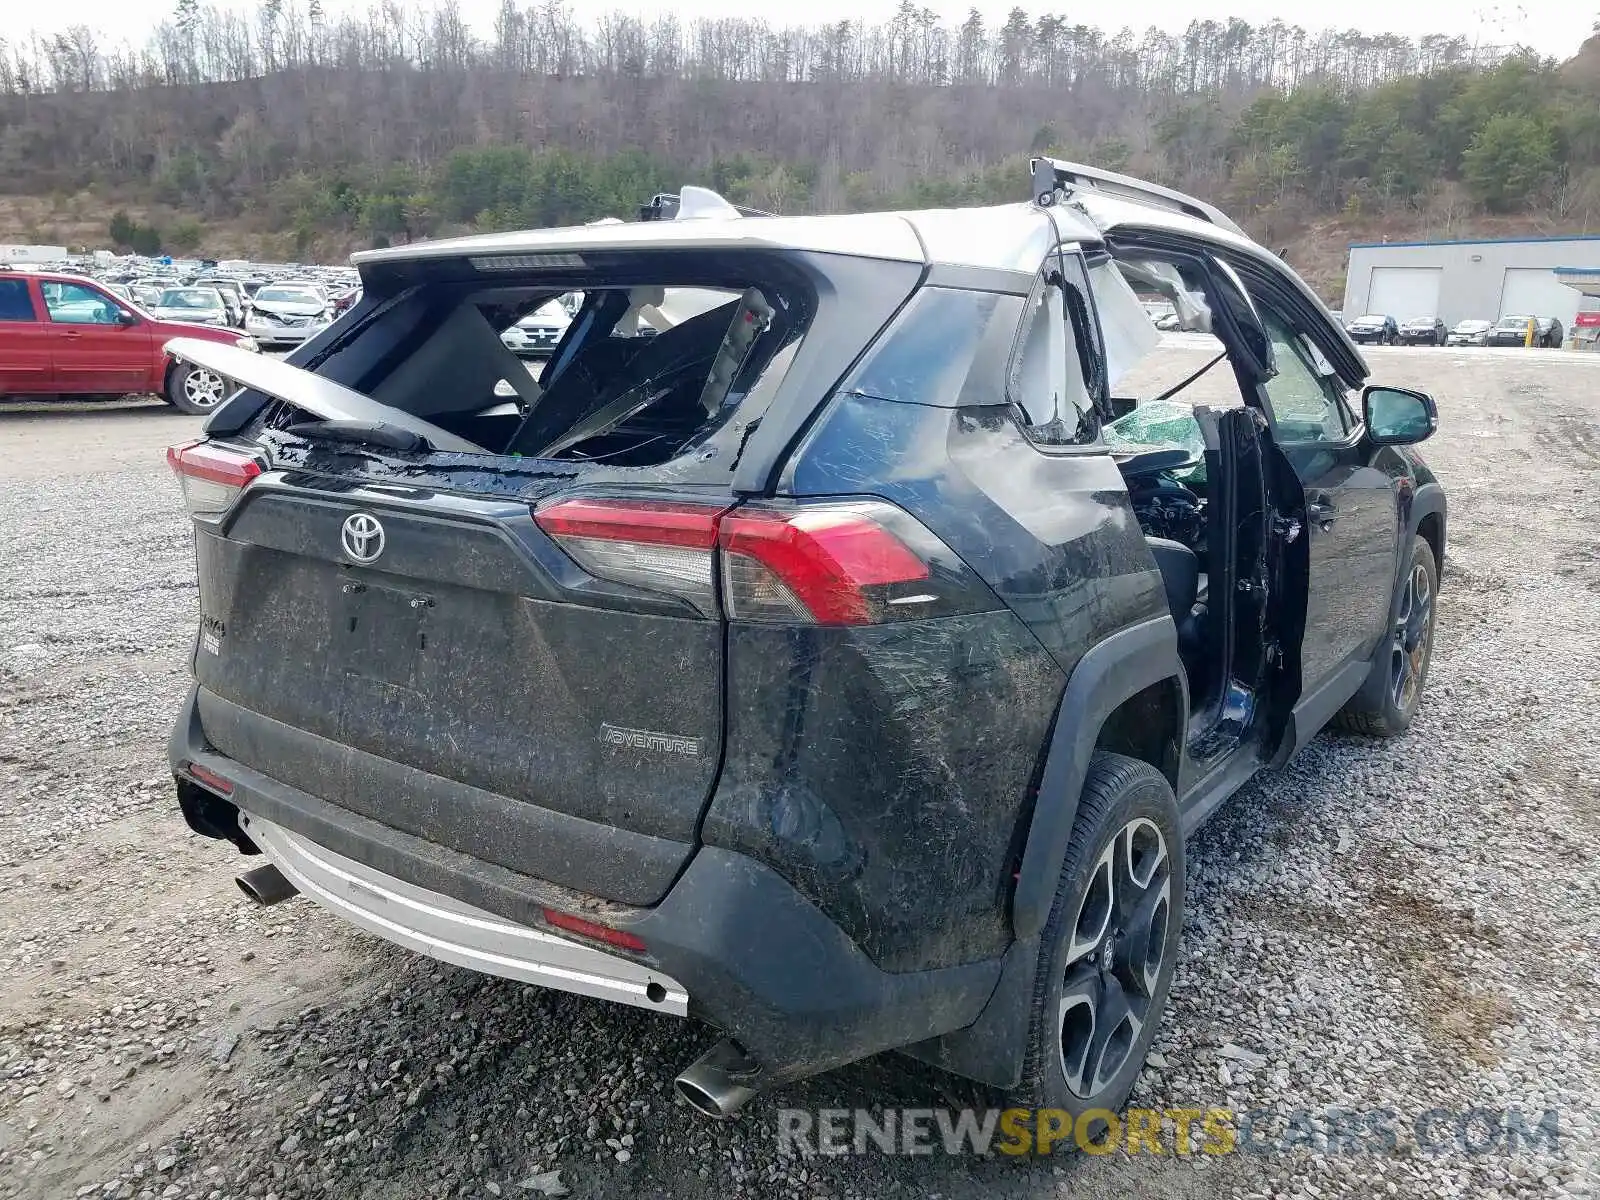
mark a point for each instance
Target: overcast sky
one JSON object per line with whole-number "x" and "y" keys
{"x": 1554, "y": 27}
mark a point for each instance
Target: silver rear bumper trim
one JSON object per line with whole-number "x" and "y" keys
{"x": 440, "y": 927}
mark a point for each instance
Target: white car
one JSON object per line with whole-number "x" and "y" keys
{"x": 536, "y": 335}
{"x": 198, "y": 305}
{"x": 283, "y": 314}
{"x": 1469, "y": 333}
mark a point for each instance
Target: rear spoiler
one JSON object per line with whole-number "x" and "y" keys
{"x": 1053, "y": 174}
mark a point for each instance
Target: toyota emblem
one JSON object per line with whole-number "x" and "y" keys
{"x": 362, "y": 537}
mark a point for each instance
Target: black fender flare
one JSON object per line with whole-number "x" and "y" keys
{"x": 1428, "y": 501}
{"x": 1112, "y": 671}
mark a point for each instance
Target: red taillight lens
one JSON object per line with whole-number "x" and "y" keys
{"x": 837, "y": 563}
{"x": 814, "y": 564}
{"x": 593, "y": 929}
{"x": 662, "y": 547}
{"x": 211, "y": 476}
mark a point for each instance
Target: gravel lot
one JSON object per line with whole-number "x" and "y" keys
{"x": 1404, "y": 926}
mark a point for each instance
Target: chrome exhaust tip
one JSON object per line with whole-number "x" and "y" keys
{"x": 265, "y": 885}
{"x": 721, "y": 1081}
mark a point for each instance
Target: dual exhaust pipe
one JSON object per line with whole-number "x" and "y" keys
{"x": 717, "y": 1084}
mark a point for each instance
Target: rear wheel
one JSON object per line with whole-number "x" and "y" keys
{"x": 1400, "y": 668}
{"x": 1108, "y": 950}
{"x": 196, "y": 390}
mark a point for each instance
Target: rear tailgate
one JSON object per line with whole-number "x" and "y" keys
{"x": 469, "y": 684}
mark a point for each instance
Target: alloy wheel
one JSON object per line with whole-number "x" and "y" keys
{"x": 1115, "y": 957}
{"x": 203, "y": 388}
{"x": 1413, "y": 627}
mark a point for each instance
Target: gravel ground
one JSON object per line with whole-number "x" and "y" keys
{"x": 1406, "y": 926}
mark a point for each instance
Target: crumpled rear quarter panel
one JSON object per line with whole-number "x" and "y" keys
{"x": 882, "y": 771}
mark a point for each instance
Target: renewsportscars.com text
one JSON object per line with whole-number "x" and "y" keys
{"x": 1165, "y": 1131}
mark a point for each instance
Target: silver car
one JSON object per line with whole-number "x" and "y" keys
{"x": 199, "y": 305}
{"x": 1469, "y": 333}
{"x": 285, "y": 314}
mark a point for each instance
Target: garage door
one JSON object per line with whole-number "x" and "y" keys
{"x": 1537, "y": 292}
{"x": 1404, "y": 292}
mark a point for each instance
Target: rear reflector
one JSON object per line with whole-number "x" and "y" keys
{"x": 815, "y": 564}
{"x": 209, "y": 778}
{"x": 211, "y": 476}
{"x": 593, "y": 929}
{"x": 660, "y": 547}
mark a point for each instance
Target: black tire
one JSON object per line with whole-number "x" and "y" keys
{"x": 195, "y": 390}
{"x": 1127, "y": 826}
{"x": 1388, "y": 701}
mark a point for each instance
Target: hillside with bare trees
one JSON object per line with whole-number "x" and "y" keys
{"x": 330, "y": 134}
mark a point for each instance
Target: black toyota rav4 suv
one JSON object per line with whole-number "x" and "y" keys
{"x": 836, "y": 665}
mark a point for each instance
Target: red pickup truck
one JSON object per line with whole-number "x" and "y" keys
{"x": 63, "y": 335}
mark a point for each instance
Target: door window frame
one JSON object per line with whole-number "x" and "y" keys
{"x": 1065, "y": 268}
{"x": 1303, "y": 350}
{"x": 105, "y": 297}
{"x": 27, "y": 294}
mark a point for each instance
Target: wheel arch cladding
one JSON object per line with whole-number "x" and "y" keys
{"x": 1138, "y": 664}
{"x": 1429, "y": 514}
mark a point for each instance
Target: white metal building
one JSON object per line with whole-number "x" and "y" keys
{"x": 1484, "y": 279}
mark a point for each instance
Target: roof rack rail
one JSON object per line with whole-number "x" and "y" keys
{"x": 1052, "y": 173}
{"x": 663, "y": 206}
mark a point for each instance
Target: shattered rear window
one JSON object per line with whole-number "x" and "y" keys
{"x": 638, "y": 375}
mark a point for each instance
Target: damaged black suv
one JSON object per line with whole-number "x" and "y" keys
{"x": 822, "y": 642}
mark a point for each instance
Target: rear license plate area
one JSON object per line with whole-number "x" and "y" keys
{"x": 381, "y": 632}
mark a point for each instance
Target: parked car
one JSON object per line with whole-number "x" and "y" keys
{"x": 62, "y": 335}
{"x": 782, "y": 668}
{"x": 1549, "y": 333}
{"x": 202, "y": 305}
{"x": 344, "y": 299}
{"x": 1423, "y": 331}
{"x": 536, "y": 335}
{"x": 1515, "y": 330}
{"x": 1375, "y": 328}
{"x": 146, "y": 295}
{"x": 233, "y": 295}
{"x": 1469, "y": 333}
{"x": 282, "y": 314}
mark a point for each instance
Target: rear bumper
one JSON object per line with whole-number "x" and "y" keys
{"x": 444, "y": 928}
{"x": 732, "y": 942}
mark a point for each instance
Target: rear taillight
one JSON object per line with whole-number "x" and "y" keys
{"x": 850, "y": 563}
{"x": 828, "y": 564}
{"x": 211, "y": 476}
{"x": 660, "y": 547}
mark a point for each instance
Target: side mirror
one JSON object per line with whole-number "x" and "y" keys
{"x": 124, "y": 317}
{"x": 1398, "y": 416}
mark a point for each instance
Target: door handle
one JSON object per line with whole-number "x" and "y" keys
{"x": 71, "y": 333}
{"x": 1321, "y": 513}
